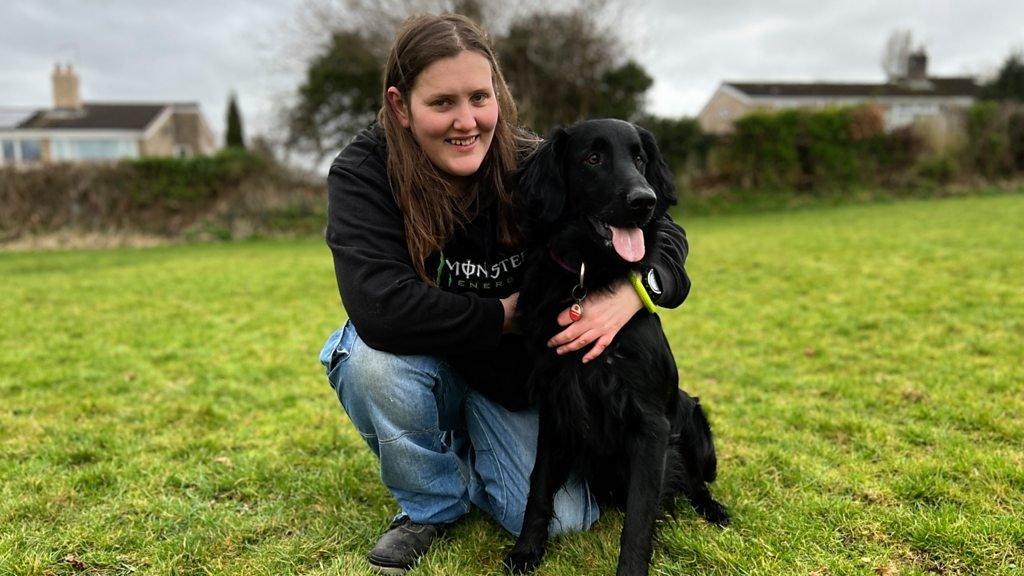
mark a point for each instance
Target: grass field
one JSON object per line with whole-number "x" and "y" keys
{"x": 162, "y": 410}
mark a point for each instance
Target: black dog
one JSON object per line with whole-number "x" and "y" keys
{"x": 594, "y": 194}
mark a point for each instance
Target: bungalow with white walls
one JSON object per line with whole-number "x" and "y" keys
{"x": 76, "y": 131}
{"x": 903, "y": 101}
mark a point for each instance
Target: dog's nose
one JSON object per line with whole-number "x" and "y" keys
{"x": 641, "y": 199}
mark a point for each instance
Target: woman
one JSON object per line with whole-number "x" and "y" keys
{"x": 423, "y": 233}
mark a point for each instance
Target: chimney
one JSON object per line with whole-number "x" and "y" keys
{"x": 917, "y": 66}
{"x": 65, "y": 88}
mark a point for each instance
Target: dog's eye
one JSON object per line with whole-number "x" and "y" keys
{"x": 639, "y": 162}
{"x": 594, "y": 159}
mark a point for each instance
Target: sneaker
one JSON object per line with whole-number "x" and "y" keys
{"x": 402, "y": 545}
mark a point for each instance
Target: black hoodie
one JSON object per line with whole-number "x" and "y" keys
{"x": 461, "y": 319}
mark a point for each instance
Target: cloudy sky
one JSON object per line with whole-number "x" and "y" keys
{"x": 200, "y": 50}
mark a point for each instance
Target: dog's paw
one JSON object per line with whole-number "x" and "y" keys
{"x": 520, "y": 562}
{"x": 714, "y": 512}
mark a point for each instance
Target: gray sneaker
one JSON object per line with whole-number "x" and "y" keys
{"x": 402, "y": 545}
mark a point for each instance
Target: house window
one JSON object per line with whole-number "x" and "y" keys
{"x": 94, "y": 149}
{"x": 31, "y": 150}
{"x": 905, "y": 114}
{"x": 8, "y": 151}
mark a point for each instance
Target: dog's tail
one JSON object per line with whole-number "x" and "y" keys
{"x": 705, "y": 443}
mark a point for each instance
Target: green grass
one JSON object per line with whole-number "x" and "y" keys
{"x": 162, "y": 410}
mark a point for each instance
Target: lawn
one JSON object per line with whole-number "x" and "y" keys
{"x": 162, "y": 410}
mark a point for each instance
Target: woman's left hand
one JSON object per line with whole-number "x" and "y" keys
{"x": 604, "y": 314}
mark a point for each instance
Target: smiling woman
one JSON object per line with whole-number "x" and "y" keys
{"x": 451, "y": 112}
{"x": 422, "y": 227}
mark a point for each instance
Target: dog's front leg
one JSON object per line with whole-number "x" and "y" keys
{"x": 550, "y": 471}
{"x": 646, "y": 471}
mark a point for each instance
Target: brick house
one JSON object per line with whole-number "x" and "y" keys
{"x": 903, "y": 101}
{"x": 76, "y": 131}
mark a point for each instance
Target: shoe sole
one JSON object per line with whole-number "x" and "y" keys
{"x": 389, "y": 570}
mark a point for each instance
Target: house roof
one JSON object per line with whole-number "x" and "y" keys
{"x": 12, "y": 117}
{"x": 948, "y": 87}
{"x": 96, "y": 116}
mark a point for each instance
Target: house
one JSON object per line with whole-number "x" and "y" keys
{"x": 77, "y": 131}
{"x": 902, "y": 101}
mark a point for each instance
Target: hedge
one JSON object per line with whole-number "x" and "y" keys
{"x": 159, "y": 196}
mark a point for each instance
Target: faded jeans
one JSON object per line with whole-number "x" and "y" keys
{"x": 442, "y": 446}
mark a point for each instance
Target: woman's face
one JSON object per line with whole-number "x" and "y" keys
{"x": 451, "y": 112}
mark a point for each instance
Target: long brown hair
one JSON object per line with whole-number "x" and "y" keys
{"x": 432, "y": 206}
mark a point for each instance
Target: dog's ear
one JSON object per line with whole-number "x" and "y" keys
{"x": 657, "y": 173}
{"x": 541, "y": 182}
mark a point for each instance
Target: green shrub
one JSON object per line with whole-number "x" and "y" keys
{"x": 828, "y": 156}
{"x": 844, "y": 150}
{"x": 161, "y": 196}
{"x": 762, "y": 152}
{"x": 938, "y": 168}
{"x": 836, "y": 148}
{"x": 681, "y": 142}
{"x": 1015, "y": 133}
{"x": 190, "y": 179}
{"x": 988, "y": 143}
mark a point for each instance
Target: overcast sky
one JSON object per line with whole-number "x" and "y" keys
{"x": 200, "y": 50}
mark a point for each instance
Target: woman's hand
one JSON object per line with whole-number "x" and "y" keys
{"x": 604, "y": 314}
{"x": 509, "y": 305}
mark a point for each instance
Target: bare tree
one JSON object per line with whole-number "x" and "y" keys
{"x": 896, "y": 56}
{"x": 564, "y": 66}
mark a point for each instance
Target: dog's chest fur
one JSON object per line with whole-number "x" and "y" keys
{"x": 591, "y": 404}
{"x": 617, "y": 383}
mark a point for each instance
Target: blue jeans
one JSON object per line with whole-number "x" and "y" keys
{"x": 441, "y": 445}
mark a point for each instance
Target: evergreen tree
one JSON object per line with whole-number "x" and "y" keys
{"x": 1009, "y": 83}
{"x": 234, "y": 137}
{"x": 341, "y": 93}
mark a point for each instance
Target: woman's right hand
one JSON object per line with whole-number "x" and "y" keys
{"x": 509, "y": 305}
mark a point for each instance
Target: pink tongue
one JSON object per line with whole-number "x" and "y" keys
{"x": 629, "y": 243}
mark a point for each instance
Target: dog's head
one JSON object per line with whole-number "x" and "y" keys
{"x": 602, "y": 180}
